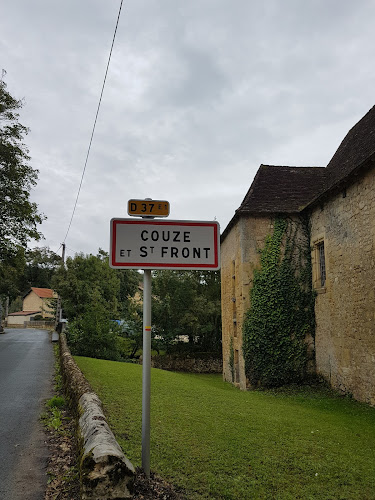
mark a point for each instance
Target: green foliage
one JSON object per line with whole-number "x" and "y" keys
{"x": 86, "y": 279}
{"x": 53, "y": 418}
{"x": 129, "y": 283}
{"x": 41, "y": 265}
{"x": 93, "y": 295}
{"x": 16, "y": 305}
{"x": 24, "y": 269}
{"x": 56, "y": 402}
{"x": 281, "y": 310}
{"x": 92, "y": 333}
{"x": 12, "y": 266}
{"x": 131, "y": 331}
{"x": 187, "y": 303}
{"x": 19, "y": 217}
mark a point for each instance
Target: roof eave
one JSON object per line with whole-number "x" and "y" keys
{"x": 341, "y": 183}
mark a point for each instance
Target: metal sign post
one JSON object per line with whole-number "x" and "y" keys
{"x": 146, "y": 372}
{"x": 148, "y": 244}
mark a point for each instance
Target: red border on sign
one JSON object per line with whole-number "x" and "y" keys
{"x": 163, "y": 223}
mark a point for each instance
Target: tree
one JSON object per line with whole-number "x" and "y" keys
{"x": 16, "y": 305}
{"x": 19, "y": 217}
{"x": 23, "y": 269}
{"x": 11, "y": 274}
{"x": 83, "y": 277}
{"x": 187, "y": 303}
{"x": 131, "y": 330}
{"x": 93, "y": 296}
{"x": 92, "y": 334}
{"x": 129, "y": 283}
{"x": 41, "y": 265}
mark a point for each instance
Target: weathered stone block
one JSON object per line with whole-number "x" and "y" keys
{"x": 105, "y": 471}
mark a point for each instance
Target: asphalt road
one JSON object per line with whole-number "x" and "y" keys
{"x": 26, "y": 371}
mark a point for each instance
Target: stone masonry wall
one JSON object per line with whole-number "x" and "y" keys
{"x": 188, "y": 364}
{"x": 239, "y": 257}
{"x": 345, "y": 306}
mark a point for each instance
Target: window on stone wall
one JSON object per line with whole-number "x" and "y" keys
{"x": 319, "y": 265}
{"x": 322, "y": 263}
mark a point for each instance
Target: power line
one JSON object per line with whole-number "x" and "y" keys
{"x": 96, "y": 118}
{"x": 72, "y": 250}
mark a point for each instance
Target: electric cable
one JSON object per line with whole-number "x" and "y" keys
{"x": 96, "y": 119}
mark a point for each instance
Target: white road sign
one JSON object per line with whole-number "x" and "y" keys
{"x": 164, "y": 244}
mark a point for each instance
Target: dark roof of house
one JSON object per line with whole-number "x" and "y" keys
{"x": 282, "y": 189}
{"x": 357, "y": 147}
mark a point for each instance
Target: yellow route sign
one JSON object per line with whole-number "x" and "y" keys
{"x": 148, "y": 208}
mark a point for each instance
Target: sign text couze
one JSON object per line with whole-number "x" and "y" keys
{"x": 161, "y": 244}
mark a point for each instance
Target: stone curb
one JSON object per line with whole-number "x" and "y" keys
{"x": 104, "y": 469}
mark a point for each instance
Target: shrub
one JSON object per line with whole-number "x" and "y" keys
{"x": 56, "y": 402}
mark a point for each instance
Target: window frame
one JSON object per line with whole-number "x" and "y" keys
{"x": 320, "y": 265}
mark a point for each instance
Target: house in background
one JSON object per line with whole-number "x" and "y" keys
{"x": 36, "y": 302}
{"x": 339, "y": 203}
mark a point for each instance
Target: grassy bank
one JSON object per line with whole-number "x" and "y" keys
{"x": 218, "y": 442}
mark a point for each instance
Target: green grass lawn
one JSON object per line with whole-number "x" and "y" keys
{"x": 218, "y": 442}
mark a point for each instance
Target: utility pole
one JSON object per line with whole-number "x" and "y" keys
{"x": 63, "y": 264}
{"x": 1, "y": 318}
{"x": 58, "y": 306}
{"x": 6, "y": 308}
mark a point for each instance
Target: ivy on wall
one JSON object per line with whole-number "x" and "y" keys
{"x": 281, "y": 312}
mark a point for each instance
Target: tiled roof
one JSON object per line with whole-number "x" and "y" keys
{"x": 282, "y": 189}
{"x": 43, "y": 292}
{"x": 357, "y": 146}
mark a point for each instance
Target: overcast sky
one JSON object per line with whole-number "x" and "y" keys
{"x": 199, "y": 93}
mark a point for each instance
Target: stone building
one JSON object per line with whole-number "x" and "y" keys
{"x": 36, "y": 302}
{"x": 339, "y": 203}
{"x": 41, "y": 300}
